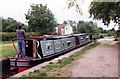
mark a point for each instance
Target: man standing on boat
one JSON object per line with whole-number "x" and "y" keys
{"x": 21, "y": 36}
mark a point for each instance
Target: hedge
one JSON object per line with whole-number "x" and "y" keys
{"x": 9, "y": 36}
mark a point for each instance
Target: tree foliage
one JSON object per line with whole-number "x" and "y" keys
{"x": 11, "y": 25}
{"x": 92, "y": 28}
{"x": 40, "y": 19}
{"x": 64, "y": 22}
{"x": 105, "y": 11}
{"x": 87, "y": 27}
{"x": 74, "y": 3}
{"x": 110, "y": 32}
{"x": 72, "y": 23}
{"x": 81, "y": 28}
{"x": 101, "y": 29}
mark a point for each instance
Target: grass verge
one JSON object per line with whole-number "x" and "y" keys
{"x": 7, "y": 49}
{"x": 55, "y": 69}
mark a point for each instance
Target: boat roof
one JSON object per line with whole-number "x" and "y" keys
{"x": 59, "y": 37}
{"x": 81, "y": 34}
{"x": 37, "y": 37}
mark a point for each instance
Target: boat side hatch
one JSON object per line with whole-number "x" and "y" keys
{"x": 30, "y": 48}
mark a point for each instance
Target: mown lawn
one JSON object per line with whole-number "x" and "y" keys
{"x": 55, "y": 69}
{"x": 7, "y": 49}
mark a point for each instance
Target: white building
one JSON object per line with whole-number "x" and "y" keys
{"x": 65, "y": 29}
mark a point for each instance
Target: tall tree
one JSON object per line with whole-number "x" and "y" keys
{"x": 41, "y": 19}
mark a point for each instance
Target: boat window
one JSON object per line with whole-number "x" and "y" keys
{"x": 48, "y": 47}
{"x": 63, "y": 44}
{"x": 87, "y": 37}
{"x": 82, "y": 39}
{"x": 69, "y": 43}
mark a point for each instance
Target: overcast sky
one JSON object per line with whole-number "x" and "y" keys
{"x": 18, "y": 8}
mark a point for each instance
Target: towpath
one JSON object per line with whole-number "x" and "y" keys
{"x": 102, "y": 61}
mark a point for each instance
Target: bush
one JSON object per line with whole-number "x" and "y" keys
{"x": 76, "y": 32}
{"x": 118, "y": 33}
{"x": 9, "y": 36}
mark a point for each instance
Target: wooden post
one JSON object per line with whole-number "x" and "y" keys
{"x": 34, "y": 48}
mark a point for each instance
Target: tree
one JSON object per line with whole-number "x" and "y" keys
{"x": 75, "y": 3}
{"x": 92, "y": 29}
{"x": 64, "y": 22}
{"x": 91, "y": 22}
{"x": 105, "y": 11}
{"x": 101, "y": 29}
{"x": 80, "y": 22}
{"x": 111, "y": 32}
{"x": 81, "y": 28}
{"x": 87, "y": 27}
{"x": 40, "y": 19}
{"x": 10, "y": 25}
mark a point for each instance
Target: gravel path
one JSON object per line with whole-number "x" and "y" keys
{"x": 101, "y": 61}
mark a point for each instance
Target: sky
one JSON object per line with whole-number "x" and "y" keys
{"x": 17, "y": 9}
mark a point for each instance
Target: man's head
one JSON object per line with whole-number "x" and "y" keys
{"x": 20, "y": 26}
